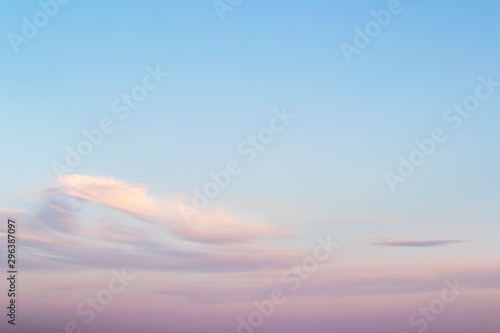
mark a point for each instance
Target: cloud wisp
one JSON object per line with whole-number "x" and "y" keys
{"x": 134, "y": 201}
{"x": 417, "y": 242}
{"x": 125, "y": 218}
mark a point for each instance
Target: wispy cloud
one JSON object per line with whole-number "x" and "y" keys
{"x": 58, "y": 214}
{"x": 219, "y": 227}
{"x": 148, "y": 228}
{"x": 335, "y": 282}
{"x": 418, "y": 242}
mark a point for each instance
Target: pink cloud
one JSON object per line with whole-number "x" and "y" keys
{"x": 133, "y": 200}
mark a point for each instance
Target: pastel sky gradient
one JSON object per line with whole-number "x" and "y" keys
{"x": 321, "y": 176}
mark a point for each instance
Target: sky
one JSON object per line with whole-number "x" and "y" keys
{"x": 251, "y": 166}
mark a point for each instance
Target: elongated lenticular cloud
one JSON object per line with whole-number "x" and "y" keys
{"x": 418, "y": 243}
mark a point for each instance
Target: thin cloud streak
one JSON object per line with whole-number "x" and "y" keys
{"x": 418, "y": 243}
